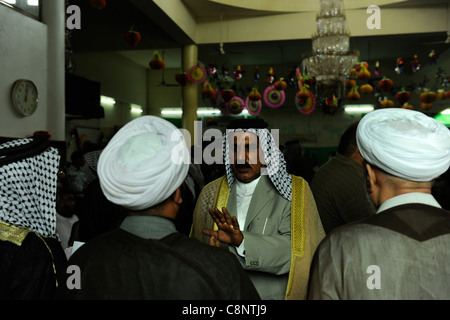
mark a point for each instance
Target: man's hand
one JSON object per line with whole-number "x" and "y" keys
{"x": 228, "y": 226}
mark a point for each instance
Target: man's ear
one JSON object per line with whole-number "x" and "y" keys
{"x": 176, "y": 197}
{"x": 371, "y": 177}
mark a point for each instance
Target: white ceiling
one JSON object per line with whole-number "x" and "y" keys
{"x": 103, "y": 31}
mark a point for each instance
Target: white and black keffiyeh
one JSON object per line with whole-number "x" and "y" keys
{"x": 28, "y": 185}
{"x": 92, "y": 159}
{"x": 273, "y": 158}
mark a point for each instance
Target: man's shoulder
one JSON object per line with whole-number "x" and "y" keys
{"x": 213, "y": 185}
{"x": 209, "y": 191}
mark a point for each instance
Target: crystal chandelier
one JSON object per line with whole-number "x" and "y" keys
{"x": 331, "y": 60}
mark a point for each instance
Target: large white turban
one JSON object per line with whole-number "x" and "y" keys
{"x": 405, "y": 143}
{"x": 143, "y": 164}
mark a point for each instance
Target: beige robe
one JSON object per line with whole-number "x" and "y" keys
{"x": 280, "y": 236}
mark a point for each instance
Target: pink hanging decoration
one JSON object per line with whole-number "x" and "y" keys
{"x": 274, "y": 98}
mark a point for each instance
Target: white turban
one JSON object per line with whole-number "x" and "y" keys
{"x": 143, "y": 164}
{"x": 404, "y": 143}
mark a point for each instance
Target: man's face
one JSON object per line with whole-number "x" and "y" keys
{"x": 244, "y": 154}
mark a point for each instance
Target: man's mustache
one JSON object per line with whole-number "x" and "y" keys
{"x": 243, "y": 166}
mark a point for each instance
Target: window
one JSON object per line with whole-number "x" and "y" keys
{"x": 31, "y": 8}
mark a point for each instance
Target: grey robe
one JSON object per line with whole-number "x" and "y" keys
{"x": 400, "y": 253}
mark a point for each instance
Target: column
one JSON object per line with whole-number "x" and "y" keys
{"x": 190, "y": 93}
{"x": 53, "y": 15}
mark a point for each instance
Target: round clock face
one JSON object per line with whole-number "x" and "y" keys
{"x": 24, "y": 97}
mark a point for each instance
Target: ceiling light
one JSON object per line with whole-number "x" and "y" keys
{"x": 136, "y": 109}
{"x": 171, "y": 112}
{"x": 107, "y": 100}
{"x": 201, "y": 112}
{"x": 330, "y": 61}
{"x": 359, "y": 108}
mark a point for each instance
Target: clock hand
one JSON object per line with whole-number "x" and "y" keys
{"x": 26, "y": 93}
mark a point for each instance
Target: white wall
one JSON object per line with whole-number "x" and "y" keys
{"x": 23, "y": 54}
{"x": 30, "y": 49}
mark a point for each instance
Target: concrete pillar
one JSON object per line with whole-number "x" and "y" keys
{"x": 190, "y": 93}
{"x": 53, "y": 15}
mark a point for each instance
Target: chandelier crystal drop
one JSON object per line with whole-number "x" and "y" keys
{"x": 331, "y": 60}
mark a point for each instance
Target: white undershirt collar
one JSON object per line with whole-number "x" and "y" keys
{"x": 413, "y": 197}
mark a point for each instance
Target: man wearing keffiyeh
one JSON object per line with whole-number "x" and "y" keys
{"x": 31, "y": 256}
{"x": 265, "y": 216}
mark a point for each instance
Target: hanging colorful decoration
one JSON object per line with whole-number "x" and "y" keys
{"x": 253, "y": 106}
{"x": 385, "y": 84}
{"x": 406, "y": 105}
{"x": 235, "y": 105}
{"x": 363, "y": 72}
{"x": 308, "y": 79}
{"x": 330, "y": 105}
{"x": 305, "y": 100}
{"x": 377, "y": 68}
{"x": 225, "y": 70}
{"x": 274, "y": 98}
{"x": 399, "y": 66}
{"x": 366, "y": 88}
{"x": 402, "y": 96}
{"x": 387, "y": 103}
{"x": 432, "y": 57}
{"x": 132, "y": 37}
{"x": 305, "y": 106}
{"x": 415, "y": 65}
{"x": 208, "y": 92}
{"x": 212, "y": 68}
{"x": 350, "y": 83}
{"x": 254, "y": 94}
{"x": 157, "y": 62}
{"x": 354, "y": 94}
{"x": 280, "y": 84}
{"x": 304, "y": 93}
{"x": 256, "y": 74}
{"x": 197, "y": 74}
{"x": 291, "y": 81}
{"x": 271, "y": 76}
{"x": 427, "y": 97}
{"x": 441, "y": 94}
{"x": 238, "y": 73}
{"x": 213, "y": 99}
{"x": 182, "y": 78}
{"x": 97, "y": 4}
{"x": 227, "y": 94}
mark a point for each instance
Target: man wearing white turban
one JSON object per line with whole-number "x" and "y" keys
{"x": 142, "y": 169}
{"x": 401, "y": 252}
{"x": 265, "y": 216}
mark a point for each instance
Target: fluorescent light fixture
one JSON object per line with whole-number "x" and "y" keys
{"x": 446, "y": 111}
{"x": 359, "y": 108}
{"x": 208, "y": 112}
{"x": 107, "y": 100}
{"x": 11, "y": 1}
{"x": 171, "y": 112}
{"x": 33, "y": 3}
{"x": 136, "y": 109}
{"x": 201, "y": 112}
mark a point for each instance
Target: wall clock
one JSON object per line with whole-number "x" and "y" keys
{"x": 24, "y": 96}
